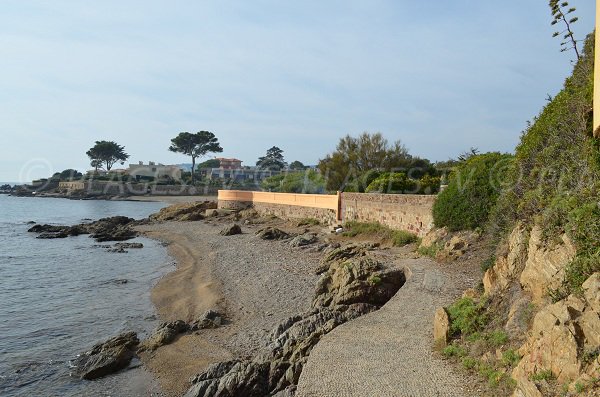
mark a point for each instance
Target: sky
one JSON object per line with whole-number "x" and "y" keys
{"x": 440, "y": 76}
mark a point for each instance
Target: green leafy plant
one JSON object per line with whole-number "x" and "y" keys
{"x": 467, "y": 317}
{"x": 398, "y": 238}
{"x": 454, "y": 351}
{"x": 510, "y": 358}
{"x": 469, "y": 362}
{"x": 308, "y": 222}
{"x": 472, "y": 191}
{"x": 497, "y": 338}
{"x": 545, "y": 374}
{"x": 430, "y": 251}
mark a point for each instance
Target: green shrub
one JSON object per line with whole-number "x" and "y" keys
{"x": 472, "y": 191}
{"x": 310, "y": 182}
{"x": 392, "y": 183}
{"x": 399, "y": 183}
{"x": 401, "y": 238}
{"x": 308, "y": 222}
{"x": 469, "y": 362}
{"x": 398, "y": 238}
{"x": 555, "y": 180}
{"x": 467, "y": 317}
{"x": 496, "y": 338}
{"x": 430, "y": 251}
{"x": 510, "y": 358}
{"x": 454, "y": 351}
{"x": 542, "y": 375}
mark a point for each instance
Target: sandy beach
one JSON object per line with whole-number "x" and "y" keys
{"x": 256, "y": 285}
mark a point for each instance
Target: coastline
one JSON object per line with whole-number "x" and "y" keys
{"x": 256, "y": 286}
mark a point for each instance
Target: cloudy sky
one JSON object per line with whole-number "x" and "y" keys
{"x": 441, "y": 76}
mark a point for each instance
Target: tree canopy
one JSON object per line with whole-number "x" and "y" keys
{"x": 297, "y": 165}
{"x": 211, "y": 163}
{"x": 273, "y": 160}
{"x": 355, "y": 156}
{"x": 106, "y": 153}
{"x": 195, "y": 145}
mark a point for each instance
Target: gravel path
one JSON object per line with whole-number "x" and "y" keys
{"x": 389, "y": 352}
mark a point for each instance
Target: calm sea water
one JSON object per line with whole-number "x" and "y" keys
{"x": 58, "y": 297}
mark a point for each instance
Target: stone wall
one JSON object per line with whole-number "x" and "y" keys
{"x": 324, "y": 215}
{"x": 408, "y": 212}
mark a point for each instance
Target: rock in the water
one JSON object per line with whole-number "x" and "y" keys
{"x": 210, "y": 319}
{"x": 272, "y": 233}
{"x": 116, "y": 228}
{"x": 231, "y": 230}
{"x": 129, "y": 245}
{"x": 164, "y": 334}
{"x": 303, "y": 239}
{"x": 107, "y": 357}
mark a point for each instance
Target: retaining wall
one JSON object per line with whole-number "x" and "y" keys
{"x": 324, "y": 208}
{"x": 410, "y": 212}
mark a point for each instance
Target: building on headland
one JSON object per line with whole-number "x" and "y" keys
{"x": 229, "y": 164}
{"x": 153, "y": 170}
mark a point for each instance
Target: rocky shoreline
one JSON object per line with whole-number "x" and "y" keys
{"x": 260, "y": 352}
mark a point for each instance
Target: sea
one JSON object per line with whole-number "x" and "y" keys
{"x": 59, "y": 297}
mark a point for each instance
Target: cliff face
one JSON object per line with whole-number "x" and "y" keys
{"x": 542, "y": 292}
{"x": 551, "y": 257}
{"x": 563, "y": 341}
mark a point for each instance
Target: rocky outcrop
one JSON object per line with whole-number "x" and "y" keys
{"x": 448, "y": 246}
{"x": 347, "y": 290}
{"x": 455, "y": 245}
{"x": 279, "y": 369}
{"x": 546, "y": 265}
{"x": 210, "y": 319}
{"x": 231, "y": 230}
{"x": 303, "y": 239}
{"x": 434, "y": 236}
{"x": 357, "y": 280}
{"x": 107, "y": 357}
{"x": 508, "y": 265}
{"x": 565, "y": 340}
{"x": 165, "y": 333}
{"x": 272, "y": 233}
{"x": 116, "y": 228}
{"x": 184, "y": 212}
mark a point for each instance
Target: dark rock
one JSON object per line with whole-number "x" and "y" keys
{"x": 116, "y": 228}
{"x": 107, "y": 357}
{"x": 184, "y": 212}
{"x": 303, "y": 240}
{"x": 231, "y": 378}
{"x": 231, "y": 230}
{"x": 210, "y": 319}
{"x": 358, "y": 280}
{"x": 164, "y": 334}
{"x": 46, "y": 228}
{"x": 272, "y": 233}
{"x": 129, "y": 245}
{"x": 279, "y": 369}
